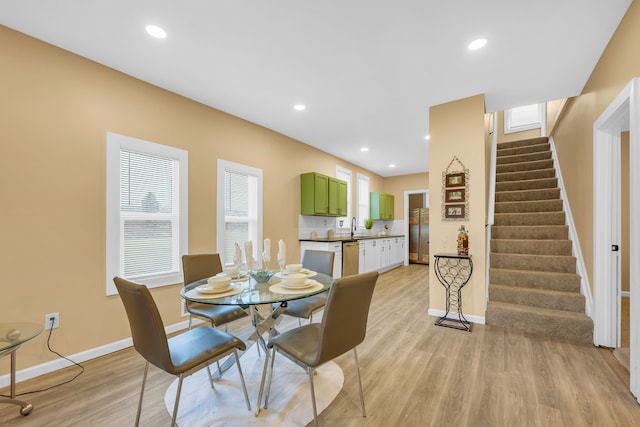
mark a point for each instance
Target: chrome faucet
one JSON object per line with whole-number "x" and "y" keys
{"x": 353, "y": 226}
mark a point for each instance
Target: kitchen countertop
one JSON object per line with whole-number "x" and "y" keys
{"x": 348, "y": 239}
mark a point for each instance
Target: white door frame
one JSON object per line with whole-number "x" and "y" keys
{"x": 406, "y": 218}
{"x": 622, "y": 114}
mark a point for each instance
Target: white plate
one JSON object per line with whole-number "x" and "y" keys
{"x": 279, "y": 289}
{"x": 234, "y": 277}
{"x": 307, "y": 283}
{"x": 283, "y": 274}
{"x": 206, "y": 289}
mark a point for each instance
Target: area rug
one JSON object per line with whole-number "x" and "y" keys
{"x": 224, "y": 406}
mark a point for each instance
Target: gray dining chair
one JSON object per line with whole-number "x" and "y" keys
{"x": 321, "y": 262}
{"x": 343, "y": 327}
{"x": 180, "y": 355}
{"x": 202, "y": 266}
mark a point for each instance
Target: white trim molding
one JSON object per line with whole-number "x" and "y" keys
{"x": 621, "y": 115}
{"x": 585, "y": 287}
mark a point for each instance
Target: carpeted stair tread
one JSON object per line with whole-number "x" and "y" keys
{"x": 545, "y": 298}
{"x": 524, "y": 166}
{"x": 523, "y": 142}
{"x": 529, "y": 184}
{"x": 530, "y": 218}
{"x": 535, "y": 232}
{"x": 558, "y": 324}
{"x": 552, "y": 263}
{"x": 528, "y": 195}
{"x": 569, "y": 282}
{"x": 526, "y": 206}
{"x": 526, "y": 175}
{"x": 520, "y": 158}
{"x": 531, "y": 247}
{"x": 525, "y": 149}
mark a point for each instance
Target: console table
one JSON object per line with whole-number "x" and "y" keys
{"x": 453, "y": 272}
{"x": 12, "y": 335}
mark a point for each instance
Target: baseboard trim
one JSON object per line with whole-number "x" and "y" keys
{"x": 54, "y": 365}
{"x": 470, "y": 317}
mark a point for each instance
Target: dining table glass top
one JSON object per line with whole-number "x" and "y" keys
{"x": 246, "y": 291}
{"x": 15, "y": 333}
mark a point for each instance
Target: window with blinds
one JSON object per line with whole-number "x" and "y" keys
{"x": 363, "y": 199}
{"x": 146, "y": 211}
{"x": 239, "y": 208}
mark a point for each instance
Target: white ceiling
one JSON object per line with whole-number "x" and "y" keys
{"x": 367, "y": 70}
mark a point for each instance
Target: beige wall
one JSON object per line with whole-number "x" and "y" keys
{"x": 397, "y": 185}
{"x": 573, "y": 138}
{"x": 55, "y": 111}
{"x": 458, "y": 129}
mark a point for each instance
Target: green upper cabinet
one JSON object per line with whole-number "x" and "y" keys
{"x": 322, "y": 195}
{"x": 337, "y": 197}
{"x": 381, "y": 205}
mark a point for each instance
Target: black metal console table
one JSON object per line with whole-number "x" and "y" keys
{"x": 453, "y": 272}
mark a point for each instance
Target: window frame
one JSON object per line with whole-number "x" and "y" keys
{"x": 508, "y": 118}
{"x": 222, "y": 167}
{"x": 115, "y": 143}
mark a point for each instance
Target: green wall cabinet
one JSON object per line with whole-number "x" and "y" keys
{"x": 381, "y": 206}
{"x": 322, "y": 195}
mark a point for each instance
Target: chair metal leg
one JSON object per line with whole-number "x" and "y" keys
{"x": 313, "y": 397}
{"x": 144, "y": 380}
{"x": 190, "y": 319}
{"x": 355, "y": 355}
{"x": 266, "y": 398}
{"x": 211, "y": 376}
{"x": 175, "y": 407}
{"x": 244, "y": 386}
{"x": 262, "y": 381}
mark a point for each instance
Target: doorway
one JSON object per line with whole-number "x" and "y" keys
{"x": 622, "y": 115}
{"x": 412, "y": 198}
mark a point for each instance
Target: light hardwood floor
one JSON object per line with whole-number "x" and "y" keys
{"x": 413, "y": 373}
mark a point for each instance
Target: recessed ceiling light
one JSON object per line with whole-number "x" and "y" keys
{"x": 427, "y": 137}
{"x": 392, "y": 165}
{"x": 477, "y": 44}
{"x": 156, "y": 31}
{"x": 299, "y": 107}
{"x": 364, "y": 149}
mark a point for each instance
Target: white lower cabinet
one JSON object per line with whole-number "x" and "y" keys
{"x": 381, "y": 254}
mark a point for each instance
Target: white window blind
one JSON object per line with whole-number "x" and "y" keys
{"x": 146, "y": 211}
{"x": 239, "y": 209}
{"x": 363, "y": 199}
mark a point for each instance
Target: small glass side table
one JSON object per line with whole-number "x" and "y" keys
{"x": 453, "y": 272}
{"x": 12, "y": 336}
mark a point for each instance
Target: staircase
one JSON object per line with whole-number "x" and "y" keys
{"x": 533, "y": 285}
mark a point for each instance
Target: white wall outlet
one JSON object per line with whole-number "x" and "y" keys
{"x": 52, "y": 321}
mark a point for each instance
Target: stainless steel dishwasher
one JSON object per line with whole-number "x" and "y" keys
{"x": 350, "y": 254}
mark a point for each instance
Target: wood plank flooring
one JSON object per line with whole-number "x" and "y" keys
{"x": 414, "y": 374}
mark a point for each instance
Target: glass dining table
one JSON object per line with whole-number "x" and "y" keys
{"x": 246, "y": 293}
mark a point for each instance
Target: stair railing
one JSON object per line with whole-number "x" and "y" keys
{"x": 585, "y": 288}
{"x": 492, "y": 199}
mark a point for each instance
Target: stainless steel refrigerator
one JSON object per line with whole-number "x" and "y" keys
{"x": 419, "y": 236}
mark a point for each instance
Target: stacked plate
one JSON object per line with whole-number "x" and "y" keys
{"x": 215, "y": 285}
{"x": 296, "y": 281}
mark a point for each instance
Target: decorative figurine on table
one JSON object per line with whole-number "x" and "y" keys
{"x": 463, "y": 241}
